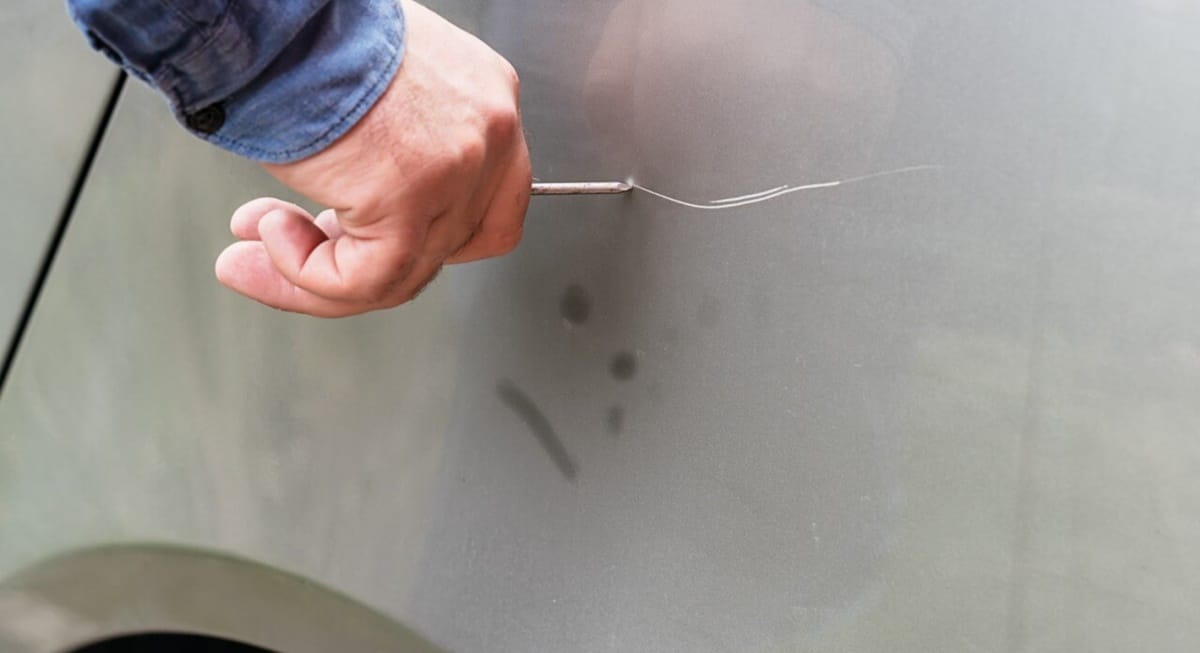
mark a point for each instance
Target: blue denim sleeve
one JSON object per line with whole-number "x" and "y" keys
{"x": 272, "y": 80}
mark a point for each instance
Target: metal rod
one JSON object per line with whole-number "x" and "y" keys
{"x": 582, "y": 188}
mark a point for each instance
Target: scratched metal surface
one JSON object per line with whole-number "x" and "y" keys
{"x": 950, "y": 410}
{"x": 52, "y": 94}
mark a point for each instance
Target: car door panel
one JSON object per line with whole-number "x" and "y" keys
{"x": 55, "y": 91}
{"x": 945, "y": 407}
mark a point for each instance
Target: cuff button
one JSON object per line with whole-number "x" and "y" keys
{"x": 208, "y": 120}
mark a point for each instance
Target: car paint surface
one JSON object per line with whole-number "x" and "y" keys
{"x": 53, "y": 89}
{"x": 945, "y": 409}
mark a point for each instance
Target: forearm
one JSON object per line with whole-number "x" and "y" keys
{"x": 272, "y": 80}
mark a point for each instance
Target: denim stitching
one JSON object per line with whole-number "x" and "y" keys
{"x": 220, "y": 25}
{"x": 186, "y": 17}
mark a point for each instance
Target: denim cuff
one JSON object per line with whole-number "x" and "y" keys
{"x": 314, "y": 92}
{"x": 271, "y": 80}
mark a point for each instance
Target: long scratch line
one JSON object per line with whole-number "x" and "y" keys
{"x": 751, "y": 196}
{"x": 775, "y": 193}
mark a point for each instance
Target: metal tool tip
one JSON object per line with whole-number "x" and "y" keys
{"x": 582, "y": 188}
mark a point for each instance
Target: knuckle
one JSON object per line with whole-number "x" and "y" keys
{"x": 464, "y": 154}
{"x": 442, "y": 166}
{"x": 511, "y": 76}
{"x": 503, "y": 122}
{"x": 470, "y": 153}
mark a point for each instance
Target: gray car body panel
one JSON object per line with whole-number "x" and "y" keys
{"x": 54, "y": 89}
{"x": 950, "y": 409}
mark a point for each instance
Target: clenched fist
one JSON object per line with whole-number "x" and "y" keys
{"x": 437, "y": 172}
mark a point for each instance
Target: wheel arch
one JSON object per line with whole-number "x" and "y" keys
{"x": 93, "y": 594}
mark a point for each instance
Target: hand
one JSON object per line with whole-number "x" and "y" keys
{"x": 437, "y": 172}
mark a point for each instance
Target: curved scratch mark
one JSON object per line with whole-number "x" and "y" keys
{"x": 751, "y": 196}
{"x": 775, "y": 193}
{"x": 523, "y": 406}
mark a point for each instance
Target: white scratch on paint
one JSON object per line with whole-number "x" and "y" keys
{"x": 776, "y": 193}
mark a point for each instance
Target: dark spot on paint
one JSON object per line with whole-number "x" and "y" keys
{"x": 709, "y": 313}
{"x": 527, "y": 410}
{"x": 575, "y": 305}
{"x": 623, "y": 366}
{"x": 615, "y": 421}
